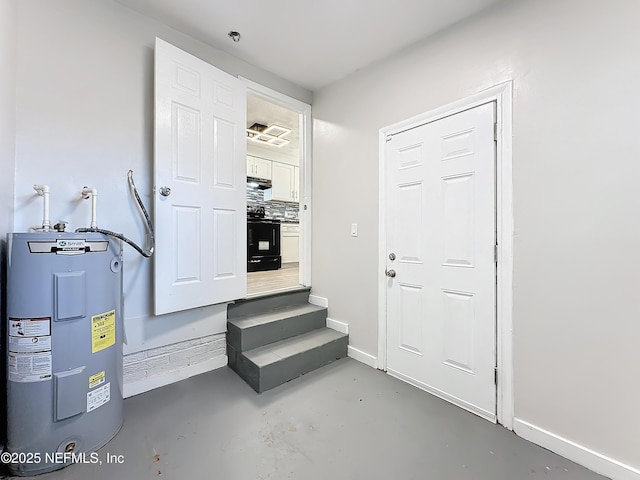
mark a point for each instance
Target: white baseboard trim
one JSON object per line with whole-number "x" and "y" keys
{"x": 362, "y": 357}
{"x": 319, "y": 301}
{"x": 156, "y": 381}
{"x": 338, "y": 325}
{"x": 584, "y": 456}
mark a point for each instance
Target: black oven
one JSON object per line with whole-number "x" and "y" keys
{"x": 263, "y": 245}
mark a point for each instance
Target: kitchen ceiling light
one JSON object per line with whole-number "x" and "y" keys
{"x": 277, "y": 131}
{"x": 278, "y": 142}
{"x": 271, "y": 135}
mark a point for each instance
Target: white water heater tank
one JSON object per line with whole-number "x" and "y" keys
{"x": 64, "y": 347}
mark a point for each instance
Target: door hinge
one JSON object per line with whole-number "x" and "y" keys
{"x": 495, "y": 375}
{"x": 495, "y": 253}
{"x": 495, "y": 132}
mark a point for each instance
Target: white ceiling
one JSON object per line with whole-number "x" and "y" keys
{"x": 310, "y": 42}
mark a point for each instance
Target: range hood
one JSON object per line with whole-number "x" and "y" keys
{"x": 259, "y": 183}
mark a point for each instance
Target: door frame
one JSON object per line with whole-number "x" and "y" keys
{"x": 304, "y": 109}
{"x": 502, "y": 95}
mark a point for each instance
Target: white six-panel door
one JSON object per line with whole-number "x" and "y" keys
{"x": 200, "y": 182}
{"x": 440, "y": 222}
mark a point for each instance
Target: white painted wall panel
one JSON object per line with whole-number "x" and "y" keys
{"x": 575, "y": 71}
{"x": 8, "y": 21}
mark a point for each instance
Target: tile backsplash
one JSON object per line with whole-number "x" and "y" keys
{"x": 285, "y": 211}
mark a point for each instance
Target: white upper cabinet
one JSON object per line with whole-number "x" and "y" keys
{"x": 285, "y": 183}
{"x": 258, "y": 167}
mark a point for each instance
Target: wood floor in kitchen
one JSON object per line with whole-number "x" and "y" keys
{"x": 284, "y": 278}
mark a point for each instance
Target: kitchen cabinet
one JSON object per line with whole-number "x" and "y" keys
{"x": 258, "y": 167}
{"x": 290, "y": 242}
{"x": 285, "y": 183}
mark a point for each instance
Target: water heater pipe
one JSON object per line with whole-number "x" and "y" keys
{"x": 151, "y": 242}
{"x": 43, "y": 191}
{"x": 93, "y": 193}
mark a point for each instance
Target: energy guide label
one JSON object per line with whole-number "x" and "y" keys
{"x": 103, "y": 331}
{"x": 29, "y": 357}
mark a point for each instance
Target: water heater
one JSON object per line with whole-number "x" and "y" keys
{"x": 64, "y": 347}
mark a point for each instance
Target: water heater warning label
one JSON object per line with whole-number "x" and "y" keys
{"x": 103, "y": 331}
{"x": 29, "y": 327}
{"x": 97, "y": 379}
{"x": 98, "y": 397}
{"x": 29, "y": 346}
{"x": 29, "y": 367}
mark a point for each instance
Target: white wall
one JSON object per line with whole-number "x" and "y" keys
{"x": 85, "y": 117}
{"x": 575, "y": 69}
{"x": 8, "y": 16}
{"x": 271, "y": 153}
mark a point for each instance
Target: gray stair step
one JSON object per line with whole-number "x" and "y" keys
{"x": 251, "y": 306}
{"x": 271, "y": 365}
{"x": 252, "y": 331}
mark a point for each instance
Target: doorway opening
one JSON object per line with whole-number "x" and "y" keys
{"x": 502, "y": 375}
{"x": 277, "y": 189}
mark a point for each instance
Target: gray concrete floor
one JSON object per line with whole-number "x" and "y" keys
{"x": 344, "y": 421}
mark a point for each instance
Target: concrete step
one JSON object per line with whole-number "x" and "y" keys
{"x": 255, "y": 330}
{"x": 271, "y": 365}
{"x": 252, "y": 306}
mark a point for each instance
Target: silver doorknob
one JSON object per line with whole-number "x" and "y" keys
{"x": 165, "y": 191}
{"x": 390, "y": 273}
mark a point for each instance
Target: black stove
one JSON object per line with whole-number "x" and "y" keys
{"x": 263, "y": 241}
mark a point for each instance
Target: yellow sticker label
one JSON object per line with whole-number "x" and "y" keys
{"x": 97, "y": 379}
{"x": 103, "y": 331}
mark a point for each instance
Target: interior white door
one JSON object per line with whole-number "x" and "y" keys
{"x": 440, "y": 225}
{"x": 200, "y": 178}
